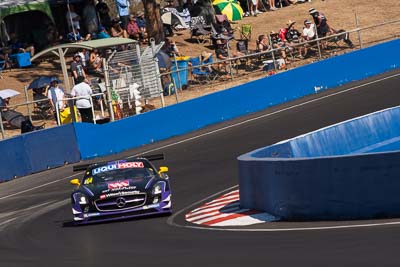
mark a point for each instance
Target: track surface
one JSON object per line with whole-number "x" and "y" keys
{"x": 35, "y": 228}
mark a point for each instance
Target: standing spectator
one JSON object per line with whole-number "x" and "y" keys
{"x": 77, "y": 69}
{"x": 272, "y": 6}
{"x": 56, "y": 96}
{"x": 132, "y": 28}
{"x": 90, "y": 19}
{"x": 84, "y": 54}
{"x": 123, "y": 11}
{"x": 83, "y": 91}
{"x": 321, "y": 23}
{"x": 104, "y": 14}
{"x": 73, "y": 19}
{"x": 117, "y": 30}
{"x": 245, "y": 6}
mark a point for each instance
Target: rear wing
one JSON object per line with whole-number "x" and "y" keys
{"x": 82, "y": 167}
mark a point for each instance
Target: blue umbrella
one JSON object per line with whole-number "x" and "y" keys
{"x": 42, "y": 81}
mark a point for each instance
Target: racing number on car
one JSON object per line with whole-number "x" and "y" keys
{"x": 88, "y": 180}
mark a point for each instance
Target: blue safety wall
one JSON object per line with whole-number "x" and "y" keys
{"x": 99, "y": 140}
{"x": 329, "y": 174}
{"x": 38, "y": 151}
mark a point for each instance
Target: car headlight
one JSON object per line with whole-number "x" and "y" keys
{"x": 158, "y": 188}
{"x": 82, "y": 199}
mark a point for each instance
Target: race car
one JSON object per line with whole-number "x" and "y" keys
{"x": 121, "y": 189}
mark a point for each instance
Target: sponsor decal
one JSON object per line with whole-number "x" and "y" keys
{"x": 118, "y": 189}
{"x": 118, "y": 194}
{"x": 119, "y": 165}
{"x": 118, "y": 185}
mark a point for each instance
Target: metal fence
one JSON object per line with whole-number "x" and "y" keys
{"x": 132, "y": 76}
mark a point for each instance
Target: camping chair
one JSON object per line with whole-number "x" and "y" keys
{"x": 42, "y": 106}
{"x": 200, "y": 75}
{"x": 245, "y": 32}
{"x": 199, "y": 31}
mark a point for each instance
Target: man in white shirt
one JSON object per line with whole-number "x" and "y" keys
{"x": 83, "y": 91}
{"x": 56, "y": 96}
{"x": 309, "y": 30}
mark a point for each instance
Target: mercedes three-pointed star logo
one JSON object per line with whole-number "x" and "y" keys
{"x": 121, "y": 202}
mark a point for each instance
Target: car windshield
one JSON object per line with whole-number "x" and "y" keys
{"x": 119, "y": 171}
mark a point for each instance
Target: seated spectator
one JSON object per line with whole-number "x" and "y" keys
{"x": 206, "y": 58}
{"x": 95, "y": 61}
{"x": 19, "y": 47}
{"x": 117, "y": 30}
{"x": 4, "y": 56}
{"x": 75, "y": 36}
{"x": 309, "y": 31}
{"x": 277, "y": 43}
{"x": 262, "y": 44}
{"x": 293, "y": 38}
{"x": 222, "y": 25}
{"x": 141, "y": 22}
{"x": 171, "y": 48}
{"x": 132, "y": 28}
{"x": 102, "y": 33}
{"x": 223, "y": 54}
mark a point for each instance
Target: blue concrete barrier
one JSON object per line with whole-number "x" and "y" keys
{"x": 330, "y": 174}
{"x": 101, "y": 140}
{"x": 38, "y": 151}
{"x": 237, "y": 101}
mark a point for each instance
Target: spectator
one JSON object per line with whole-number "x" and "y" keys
{"x": 132, "y": 28}
{"x": 56, "y": 96}
{"x": 309, "y": 31}
{"x": 262, "y": 44}
{"x": 84, "y": 54}
{"x": 321, "y": 23}
{"x": 75, "y": 36}
{"x": 141, "y": 22}
{"x": 73, "y": 19}
{"x": 77, "y": 69}
{"x": 95, "y": 61}
{"x": 308, "y": 35}
{"x": 104, "y": 14}
{"x": 277, "y": 43}
{"x": 293, "y": 37}
{"x": 245, "y": 6}
{"x": 18, "y": 47}
{"x": 103, "y": 34}
{"x": 90, "y": 17}
{"x": 171, "y": 48}
{"x": 117, "y": 30}
{"x": 272, "y": 5}
{"x": 123, "y": 11}
{"x": 83, "y": 91}
{"x": 4, "y": 56}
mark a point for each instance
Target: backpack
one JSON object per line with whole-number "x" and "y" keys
{"x": 242, "y": 45}
{"x": 169, "y": 89}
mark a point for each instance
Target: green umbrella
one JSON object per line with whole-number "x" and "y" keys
{"x": 230, "y": 8}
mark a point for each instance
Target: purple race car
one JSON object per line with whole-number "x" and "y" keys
{"x": 121, "y": 189}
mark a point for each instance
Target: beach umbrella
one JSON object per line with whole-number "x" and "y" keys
{"x": 172, "y": 19}
{"x": 230, "y": 8}
{"x": 6, "y": 93}
{"x": 42, "y": 81}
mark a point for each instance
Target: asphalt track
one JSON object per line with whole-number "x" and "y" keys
{"x": 35, "y": 214}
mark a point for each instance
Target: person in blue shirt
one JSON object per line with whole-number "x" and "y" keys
{"x": 123, "y": 11}
{"x": 141, "y": 22}
{"x": 102, "y": 34}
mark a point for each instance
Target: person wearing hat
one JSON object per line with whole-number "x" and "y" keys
{"x": 141, "y": 22}
{"x": 206, "y": 58}
{"x": 76, "y": 68}
{"x": 277, "y": 43}
{"x": 123, "y": 11}
{"x": 132, "y": 28}
{"x": 56, "y": 96}
{"x": 117, "y": 30}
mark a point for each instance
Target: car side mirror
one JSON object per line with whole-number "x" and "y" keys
{"x": 75, "y": 182}
{"x": 162, "y": 170}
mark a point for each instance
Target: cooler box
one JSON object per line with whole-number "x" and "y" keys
{"x": 22, "y": 59}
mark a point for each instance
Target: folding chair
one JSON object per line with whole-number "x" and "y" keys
{"x": 245, "y": 32}
{"x": 199, "y": 75}
{"x": 199, "y": 30}
{"x": 43, "y": 106}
